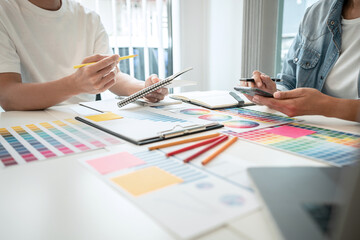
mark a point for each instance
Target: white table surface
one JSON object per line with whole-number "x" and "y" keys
{"x": 60, "y": 199}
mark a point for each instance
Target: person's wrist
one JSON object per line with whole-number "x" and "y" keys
{"x": 70, "y": 85}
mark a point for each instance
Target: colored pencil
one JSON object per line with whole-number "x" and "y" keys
{"x": 184, "y": 141}
{"x": 193, "y": 146}
{"x": 220, "y": 150}
{"x": 220, "y": 140}
{"x": 120, "y": 58}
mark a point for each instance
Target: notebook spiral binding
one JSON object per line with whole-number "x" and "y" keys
{"x": 143, "y": 92}
{"x": 150, "y": 89}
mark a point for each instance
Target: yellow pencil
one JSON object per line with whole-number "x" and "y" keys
{"x": 120, "y": 58}
{"x": 220, "y": 150}
{"x": 184, "y": 141}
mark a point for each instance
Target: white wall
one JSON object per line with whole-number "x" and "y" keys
{"x": 209, "y": 39}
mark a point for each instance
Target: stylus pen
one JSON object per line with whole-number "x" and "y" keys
{"x": 252, "y": 80}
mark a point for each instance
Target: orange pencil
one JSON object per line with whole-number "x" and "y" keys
{"x": 192, "y": 146}
{"x": 220, "y": 150}
{"x": 184, "y": 141}
{"x": 220, "y": 140}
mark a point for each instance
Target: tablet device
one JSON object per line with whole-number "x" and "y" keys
{"x": 253, "y": 91}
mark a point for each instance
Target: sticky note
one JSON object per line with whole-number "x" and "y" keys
{"x": 289, "y": 131}
{"x": 115, "y": 162}
{"x": 104, "y": 117}
{"x": 146, "y": 180}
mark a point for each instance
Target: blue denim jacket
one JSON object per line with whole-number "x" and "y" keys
{"x": 316, "y": 47}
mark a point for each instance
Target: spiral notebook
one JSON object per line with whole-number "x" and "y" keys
{"x": 154, "y": 87}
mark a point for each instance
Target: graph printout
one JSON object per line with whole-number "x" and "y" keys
{"x": 185, "y": 199}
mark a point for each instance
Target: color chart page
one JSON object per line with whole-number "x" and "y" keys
{"x": 325, "y": 145}
{"x": 185, "y": 199}
{"x": 234, "y": 119}
{"x": 48, "y": 140}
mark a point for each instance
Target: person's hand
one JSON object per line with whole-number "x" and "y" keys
{"x": 97, "y": 77}
{"x": 157, "y": 95}
{"x": 297, "y": 102}
{"x": 261, "y": 81}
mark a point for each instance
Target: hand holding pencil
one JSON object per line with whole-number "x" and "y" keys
{"x": 98, "y": 76}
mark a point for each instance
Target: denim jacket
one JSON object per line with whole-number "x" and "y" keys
{"x": 316, "y": 47}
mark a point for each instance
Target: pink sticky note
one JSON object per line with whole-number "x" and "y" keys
{"x": 289, "y": 131}
{"x": 114, "y": 162}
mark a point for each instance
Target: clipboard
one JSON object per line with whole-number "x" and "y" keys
{"x": 143, "y": 131}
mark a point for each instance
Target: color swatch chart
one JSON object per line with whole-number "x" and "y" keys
{"x": 149, "y": 115}
{"x": 183, "y": 198}
{"x": 237, "y": 119}
{"x": 329, "y": 146}
{"x": 33, "y": 142}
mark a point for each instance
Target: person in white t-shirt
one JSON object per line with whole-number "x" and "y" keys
{"x": 321, "y": 72}
{"x": 41, "y": 41}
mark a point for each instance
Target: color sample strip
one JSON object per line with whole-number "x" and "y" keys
{"x": 175, "y": 167}
{"x": 17, "y": 146}
{"x": 147, "y": 115}
{"x": 195, "y": 111}
{"x": 80, "y": 134}
{"x": 240, "y": 124}
{"x": 146, "y": 180}
{"x": 115, "y": 162}
{"x": 290, "y": 131}
{"x": 65, "y": 136}
{"x": 46, "y": 152}
{"x": 333, "y": 147}
{"x": 103, "y": 117}
{"x": 256, "y": 115}
{"x": 5, "y": 156}
{"x": 93, "y": 131}
{"x": 49, "y": 139}
{"x": 215, "y": 117}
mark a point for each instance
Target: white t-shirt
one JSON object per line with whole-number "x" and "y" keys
{"x": 342, "y": 81}
{"x": 44, "y": 45}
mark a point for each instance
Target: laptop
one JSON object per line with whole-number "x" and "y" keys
{"x": 311, "y": 202}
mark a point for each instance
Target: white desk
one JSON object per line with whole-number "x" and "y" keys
{"x": 60, "y": 199}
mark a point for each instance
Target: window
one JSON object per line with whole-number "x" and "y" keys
{"x": 140, "y": 27}
{"x": 291, "y": 13}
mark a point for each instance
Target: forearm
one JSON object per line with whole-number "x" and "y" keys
{"x": 347, "y": 109}
{"x": 36, "y": 96}
{"x": 126, "y": 85}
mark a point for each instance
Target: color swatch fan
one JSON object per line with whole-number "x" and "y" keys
{"x": 329, "y": 146}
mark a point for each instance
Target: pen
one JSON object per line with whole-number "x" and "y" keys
{"x": 120, "y": 58}
{"x": 252, "y": 80}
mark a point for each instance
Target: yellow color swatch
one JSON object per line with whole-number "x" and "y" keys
{"x": 104, "y": 117}
{"x": 146, "y": 180}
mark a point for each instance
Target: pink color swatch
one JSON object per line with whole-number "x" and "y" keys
{"x": 115, "y": 162}
{"x": 289, "y": 131}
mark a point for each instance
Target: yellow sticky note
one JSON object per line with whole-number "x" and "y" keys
{"x": 146, "y": 180}
{"x": 104, "y": 117}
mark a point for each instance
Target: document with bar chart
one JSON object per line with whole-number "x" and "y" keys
{"x": 185, "y": 199}
{"x": 47, "y": 140}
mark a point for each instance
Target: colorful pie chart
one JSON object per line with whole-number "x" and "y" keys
{"x": 240, "y": 124}
{"x": 193, "y": 111}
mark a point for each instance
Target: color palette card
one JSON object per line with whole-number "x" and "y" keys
{"x": 325, "y": 145}
{"x": 234, "y": 119}
{"x": 33, "y": 142}
{"x": 185, "y": 199}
